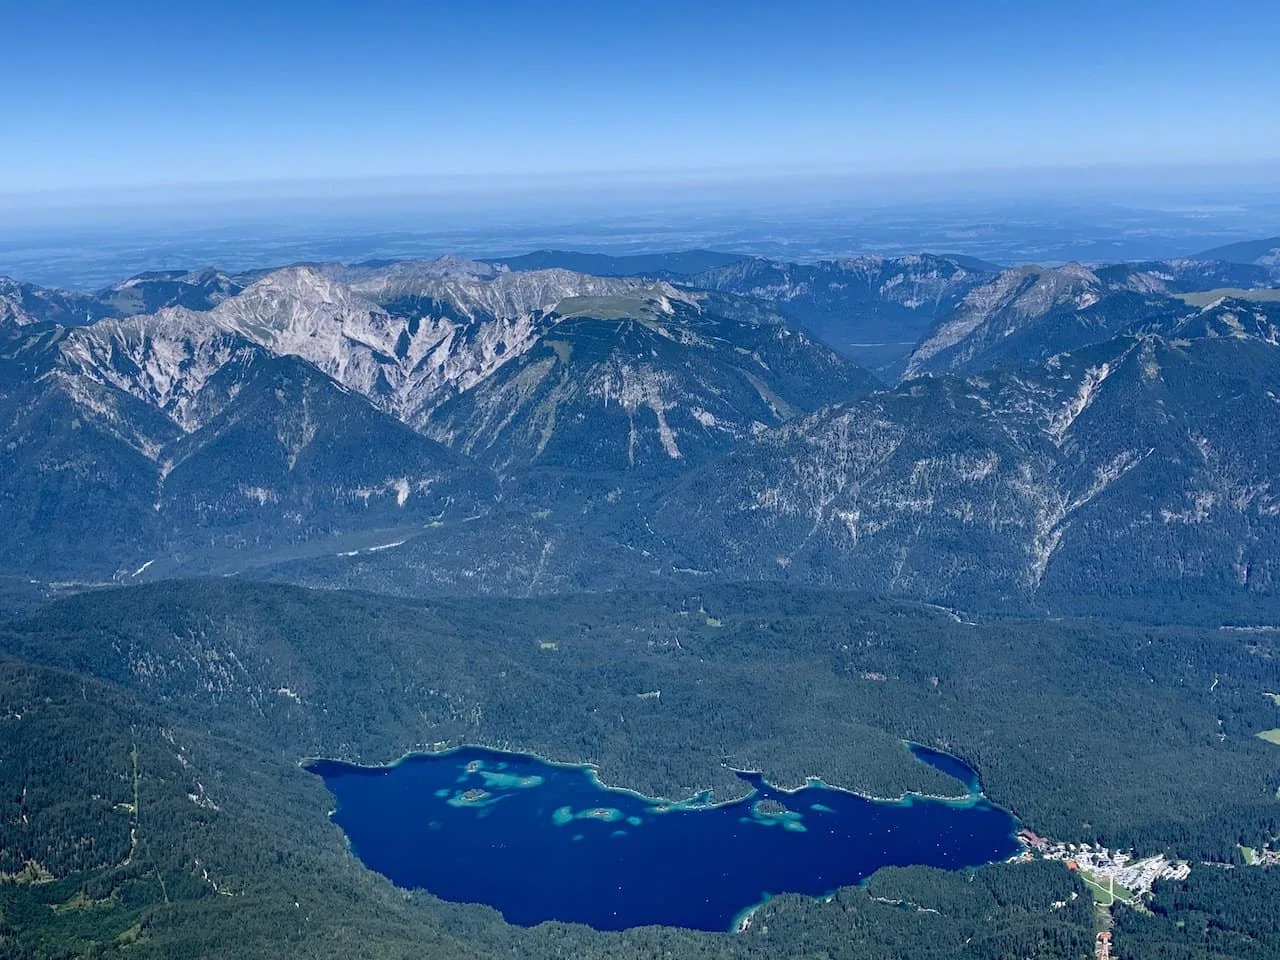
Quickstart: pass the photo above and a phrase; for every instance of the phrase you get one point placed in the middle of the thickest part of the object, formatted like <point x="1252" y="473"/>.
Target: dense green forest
<point x="150" y="741"/>
<point x="1214" y="913"/>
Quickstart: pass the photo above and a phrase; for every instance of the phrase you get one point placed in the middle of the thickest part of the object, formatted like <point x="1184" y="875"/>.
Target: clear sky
<point x="110" y="93"/>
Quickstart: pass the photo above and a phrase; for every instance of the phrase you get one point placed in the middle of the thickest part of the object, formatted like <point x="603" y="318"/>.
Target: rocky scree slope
<point x="258" y="453"/>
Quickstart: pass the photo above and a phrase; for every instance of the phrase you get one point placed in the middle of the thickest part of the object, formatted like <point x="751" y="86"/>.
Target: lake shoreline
<point x="610" y="858"/>
<point x="688" y="803"/>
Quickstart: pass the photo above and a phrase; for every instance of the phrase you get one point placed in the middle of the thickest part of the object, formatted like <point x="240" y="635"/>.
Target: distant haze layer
<point x="88" y="239"/>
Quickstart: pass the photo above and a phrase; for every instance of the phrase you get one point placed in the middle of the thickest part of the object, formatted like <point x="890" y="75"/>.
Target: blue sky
<point x="124" y="93"/>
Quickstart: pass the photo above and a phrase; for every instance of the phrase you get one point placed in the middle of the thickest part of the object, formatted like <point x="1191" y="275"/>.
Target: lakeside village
<point x="1114" y="876"/>
<point x="1125" y="879"/>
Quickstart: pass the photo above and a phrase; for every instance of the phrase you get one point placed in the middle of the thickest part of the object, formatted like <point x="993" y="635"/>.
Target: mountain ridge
<point x="512" y="427"/>
<point x="1029" y="313"/>
<point x="1264" y="252"/>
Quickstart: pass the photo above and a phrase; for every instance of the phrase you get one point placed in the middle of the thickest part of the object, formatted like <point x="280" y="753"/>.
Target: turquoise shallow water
<point x="541" y="841"/>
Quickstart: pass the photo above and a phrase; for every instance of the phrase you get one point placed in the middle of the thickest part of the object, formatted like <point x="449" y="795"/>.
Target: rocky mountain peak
<point x="405" y="335"/>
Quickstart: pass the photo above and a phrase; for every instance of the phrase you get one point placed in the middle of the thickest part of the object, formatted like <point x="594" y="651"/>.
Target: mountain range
<point x="1135" y="466"/>
<point x="1028" y="438"/>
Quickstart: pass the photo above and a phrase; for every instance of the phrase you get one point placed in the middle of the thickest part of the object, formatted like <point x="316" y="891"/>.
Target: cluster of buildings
<point x="1265" y="858"/>
<point x="1118" y="871"/>
<point x="1102" y="864"/>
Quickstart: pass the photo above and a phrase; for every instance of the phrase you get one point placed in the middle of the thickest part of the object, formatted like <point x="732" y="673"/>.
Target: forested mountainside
<point x="1140" y="469"/>
<point x="26" y="303"/>
<point x="639" y="481"/>
<point x="914" y="314"/>
<point x="298" y="412"/>
<point x="1135" y="474"/>
<point x="268" y="452"/>
<point x="1264" y="253"/>
<point x="181" y="824"/>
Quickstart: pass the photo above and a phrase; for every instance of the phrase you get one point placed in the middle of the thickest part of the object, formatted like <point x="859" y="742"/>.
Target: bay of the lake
<point x="542" y="841"/>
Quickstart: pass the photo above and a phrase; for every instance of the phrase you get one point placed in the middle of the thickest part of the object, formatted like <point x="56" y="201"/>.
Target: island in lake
<point x="543" y="841"/>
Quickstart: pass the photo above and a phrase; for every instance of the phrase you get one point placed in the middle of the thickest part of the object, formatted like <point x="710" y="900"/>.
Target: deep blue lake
<point x="542" y="841"/>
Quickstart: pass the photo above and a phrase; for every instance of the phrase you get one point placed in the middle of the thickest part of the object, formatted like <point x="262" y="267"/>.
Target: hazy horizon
<point x="85" y="239"/>
<point x="82" y="249"/>
<point x="158" y="136"/>
<point x="757" y="186"/>
<point x="146" y="93"/>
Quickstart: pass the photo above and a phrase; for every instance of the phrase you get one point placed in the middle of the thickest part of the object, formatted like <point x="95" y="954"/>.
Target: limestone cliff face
<point x="406" y="336"/>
